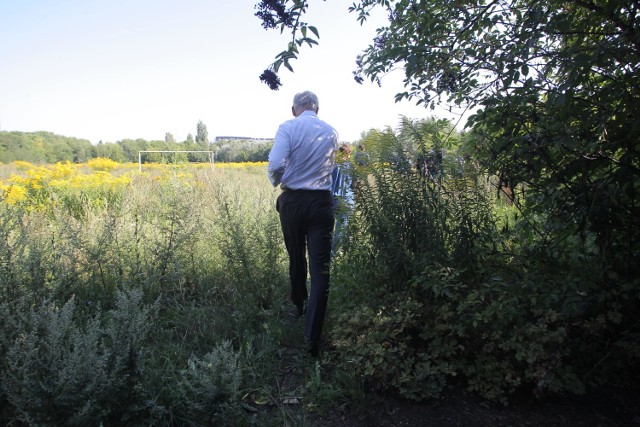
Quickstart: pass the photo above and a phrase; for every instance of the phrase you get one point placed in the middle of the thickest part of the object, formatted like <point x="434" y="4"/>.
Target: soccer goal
<point x="210" y="155"/>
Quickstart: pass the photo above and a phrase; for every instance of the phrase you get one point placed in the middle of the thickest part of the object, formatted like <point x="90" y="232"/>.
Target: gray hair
<point x="305" y="101"/>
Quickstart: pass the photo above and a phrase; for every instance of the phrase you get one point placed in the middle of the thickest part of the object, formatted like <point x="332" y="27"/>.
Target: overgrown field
<point x="160" y="297"/>
<point x="138" y="298"/>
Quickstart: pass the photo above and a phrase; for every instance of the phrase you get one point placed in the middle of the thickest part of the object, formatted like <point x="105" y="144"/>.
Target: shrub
<point x="22" y="165"/>
<point x="102" y="164"/>
<point x="62" y="371"/>
<point x="391" y="348"/>
<point x="433" y="288"/>
<point x="210" y="386"/>
<point x="206" y="243"/>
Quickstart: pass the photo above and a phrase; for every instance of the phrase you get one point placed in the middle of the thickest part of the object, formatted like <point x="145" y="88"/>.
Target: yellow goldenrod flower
<point x="15" y="194"/>
<point x="102" y="164"/>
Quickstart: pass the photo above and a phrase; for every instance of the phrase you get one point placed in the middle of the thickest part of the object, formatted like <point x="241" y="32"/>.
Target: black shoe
<point x="295" y="312"/>
<point x="299" y="310"/>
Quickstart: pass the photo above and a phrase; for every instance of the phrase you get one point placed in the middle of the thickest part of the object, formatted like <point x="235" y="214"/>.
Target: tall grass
<point x="200" y="252"/>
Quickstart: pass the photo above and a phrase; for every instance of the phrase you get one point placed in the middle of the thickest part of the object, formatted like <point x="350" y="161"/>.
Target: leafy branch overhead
<point x="553" y="82"/>
<point x="465" y="52"/>
<point x="285" y="15"/>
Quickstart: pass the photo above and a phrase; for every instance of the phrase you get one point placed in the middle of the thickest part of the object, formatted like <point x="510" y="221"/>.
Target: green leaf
<point x="248" y="407"/>
<point x="314" y="30"/>
<point x="286" y="64"/>
<point x="560" y="99"/>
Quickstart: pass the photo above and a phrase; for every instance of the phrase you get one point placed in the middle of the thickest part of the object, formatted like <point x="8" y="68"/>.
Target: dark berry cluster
<point x="380" y="42"/>
<point x="357" y="76"/>
<point x="357" y="73"/>
<point x="272" y="13"/>
<point x="271" y="79"/>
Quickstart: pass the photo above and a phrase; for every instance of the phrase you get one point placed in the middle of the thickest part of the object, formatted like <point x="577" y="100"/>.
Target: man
<point x="362" y="157"/>
<point x="301" y="161"/>
<point x="342" y="190"/>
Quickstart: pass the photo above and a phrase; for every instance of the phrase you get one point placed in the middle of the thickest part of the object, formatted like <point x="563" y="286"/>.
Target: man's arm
<point x="278" y="157"/>
<point x="275" y="176"/>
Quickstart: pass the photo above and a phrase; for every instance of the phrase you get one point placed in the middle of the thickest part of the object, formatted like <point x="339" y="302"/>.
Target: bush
<point x="210" y="386"/>
<point x="205" y="244"/>
<point x="390" y="348"/>
<point x="433" y="288"/>
<point x="62" y="371"/>
<point x="102" y="164"/>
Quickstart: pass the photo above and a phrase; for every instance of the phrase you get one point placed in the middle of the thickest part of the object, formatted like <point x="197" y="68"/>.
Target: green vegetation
<point x="166" y="301"/>
<point x="545" y="298"/>
<point x="503" y="260"/>
<point x="46" y="147"/>
<point x="242" y="150"/>
<point x="553" y="84"/>
<point x="159" y="304"/>
<point x="443" y="283"/>
<point x="43" y="147"/>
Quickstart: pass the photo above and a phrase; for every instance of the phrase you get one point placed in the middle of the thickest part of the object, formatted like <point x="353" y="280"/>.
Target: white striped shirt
<point x="303" y="153"/>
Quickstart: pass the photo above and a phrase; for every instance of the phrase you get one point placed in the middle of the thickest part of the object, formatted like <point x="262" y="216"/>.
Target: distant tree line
<point x="47" y="147"/>
<point x="242" y="150"/>
<point x="43" y="147"/>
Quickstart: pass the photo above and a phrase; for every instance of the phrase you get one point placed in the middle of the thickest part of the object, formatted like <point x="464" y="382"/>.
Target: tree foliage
<point x="42" y="147"/>
<point x="285" y="14"/>
<point x="554" y="87"/>
<point x="46" y="147"/>
<point x="169" y="138"/>
<point x="202" y="136"/>
<point x="243" y="150"/>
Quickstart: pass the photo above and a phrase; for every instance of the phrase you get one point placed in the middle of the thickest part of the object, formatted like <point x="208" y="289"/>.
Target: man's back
<point x="304" y="152"/>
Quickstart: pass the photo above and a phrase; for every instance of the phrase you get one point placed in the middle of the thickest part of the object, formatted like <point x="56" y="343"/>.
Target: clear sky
<point x="109" y="70"/>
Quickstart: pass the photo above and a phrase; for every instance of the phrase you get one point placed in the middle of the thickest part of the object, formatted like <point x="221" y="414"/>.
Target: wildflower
<point x="22" y="165"/>
<point x="15" y="194"/>
<point x="102" y="164"/>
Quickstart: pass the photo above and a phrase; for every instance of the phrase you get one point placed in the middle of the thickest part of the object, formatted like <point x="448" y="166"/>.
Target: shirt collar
<point x="308" y="113"/>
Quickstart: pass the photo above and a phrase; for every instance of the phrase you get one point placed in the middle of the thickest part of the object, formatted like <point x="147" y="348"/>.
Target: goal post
<point x="209" y="153"/>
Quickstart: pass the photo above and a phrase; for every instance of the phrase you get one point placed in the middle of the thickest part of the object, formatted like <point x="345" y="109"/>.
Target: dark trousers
<point x="307" y="220"/>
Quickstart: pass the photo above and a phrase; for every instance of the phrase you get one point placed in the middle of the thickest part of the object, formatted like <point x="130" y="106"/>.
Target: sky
<point x="107" y="70"/>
